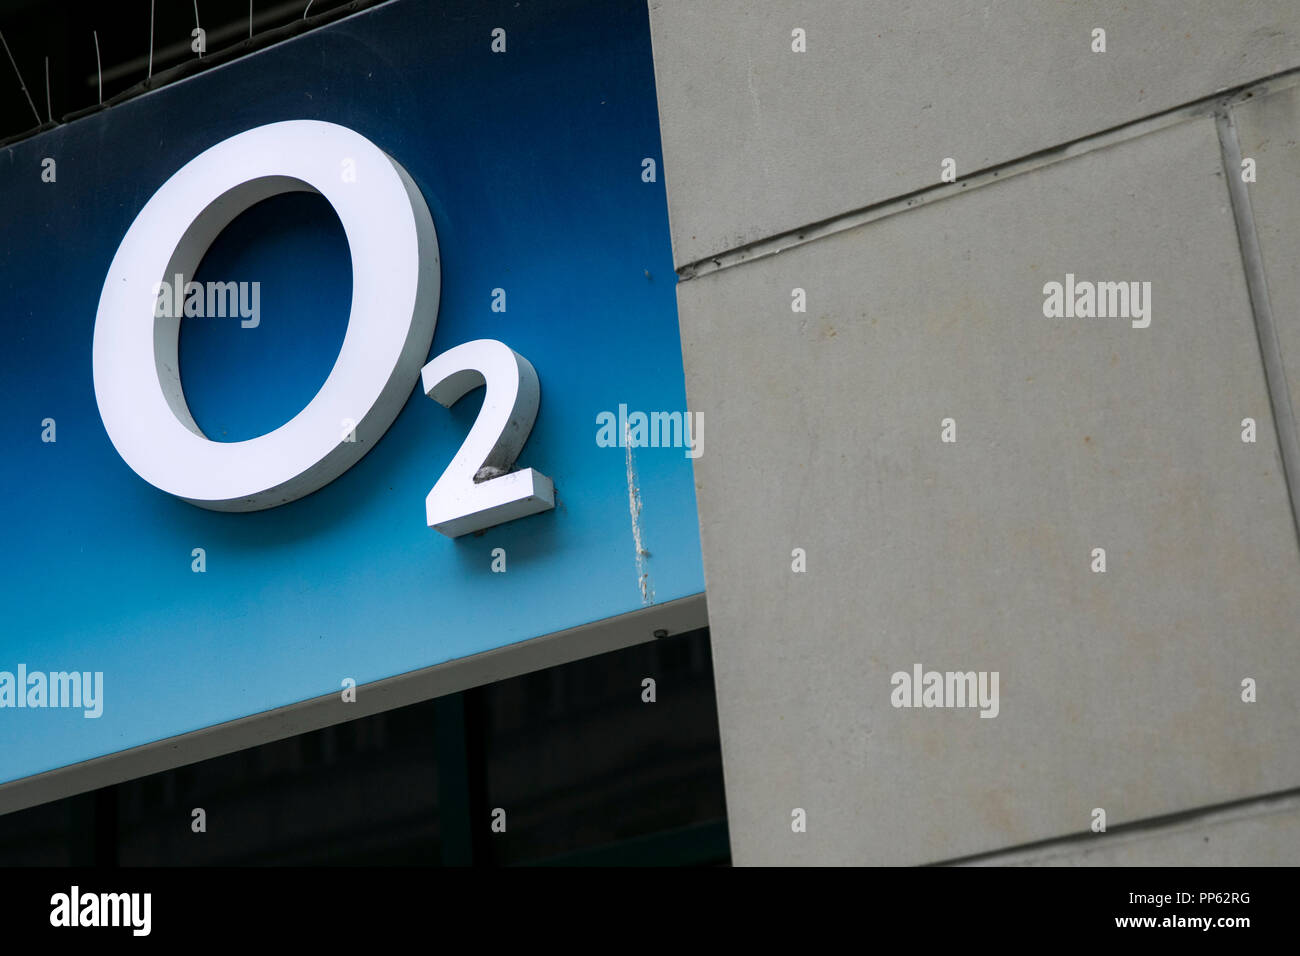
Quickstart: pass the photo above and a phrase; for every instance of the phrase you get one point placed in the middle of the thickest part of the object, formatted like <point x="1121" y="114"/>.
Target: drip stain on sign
<point x="634" y="507"/>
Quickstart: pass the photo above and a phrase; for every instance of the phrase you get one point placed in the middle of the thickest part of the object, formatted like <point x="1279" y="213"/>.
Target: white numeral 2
<point x="478" y="489"/>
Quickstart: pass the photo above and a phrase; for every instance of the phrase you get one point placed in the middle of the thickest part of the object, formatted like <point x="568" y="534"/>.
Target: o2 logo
<point x="395" y="290"/>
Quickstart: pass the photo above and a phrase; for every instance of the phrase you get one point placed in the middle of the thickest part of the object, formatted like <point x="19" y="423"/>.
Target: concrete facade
<point x="812" y="179"/>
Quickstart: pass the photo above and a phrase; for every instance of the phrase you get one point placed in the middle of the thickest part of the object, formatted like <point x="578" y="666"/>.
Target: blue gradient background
<point x="531" y="165"/>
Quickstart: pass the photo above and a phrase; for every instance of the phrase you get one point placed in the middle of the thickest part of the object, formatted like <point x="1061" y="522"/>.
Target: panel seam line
<point x="1246" y="808"/>
<point x="1270" y="348"/>
<point x="841" y="222"/>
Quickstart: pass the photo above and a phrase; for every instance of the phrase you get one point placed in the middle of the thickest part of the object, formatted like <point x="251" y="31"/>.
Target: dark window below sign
<point x="584" y="769"/>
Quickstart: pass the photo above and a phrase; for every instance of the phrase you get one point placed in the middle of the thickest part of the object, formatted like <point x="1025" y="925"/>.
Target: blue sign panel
<point x="539" y="163"/>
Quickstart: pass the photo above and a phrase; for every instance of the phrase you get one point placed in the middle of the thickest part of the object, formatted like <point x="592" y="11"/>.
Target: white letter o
<point x="395" y="289"/>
